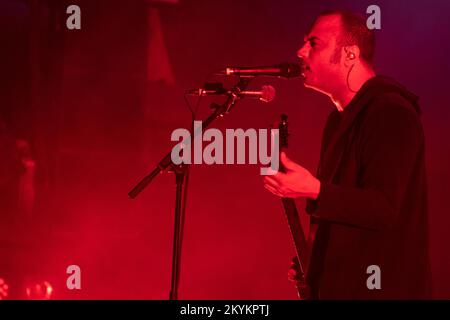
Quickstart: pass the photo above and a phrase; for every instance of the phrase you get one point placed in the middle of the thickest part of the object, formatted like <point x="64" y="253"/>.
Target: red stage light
<point x="39" y="291"/>
<point x="3" y="289"/>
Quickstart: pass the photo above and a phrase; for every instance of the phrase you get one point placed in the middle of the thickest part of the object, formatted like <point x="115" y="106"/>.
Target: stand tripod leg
<point x="180" y="177"/>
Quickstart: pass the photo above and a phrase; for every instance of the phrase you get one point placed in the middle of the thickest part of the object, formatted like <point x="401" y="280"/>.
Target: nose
<point x="302" y="53"/>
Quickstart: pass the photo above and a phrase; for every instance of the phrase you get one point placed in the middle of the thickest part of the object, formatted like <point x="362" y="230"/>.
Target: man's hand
<point x="294" y="271"/>
<point x="296" y="182"/>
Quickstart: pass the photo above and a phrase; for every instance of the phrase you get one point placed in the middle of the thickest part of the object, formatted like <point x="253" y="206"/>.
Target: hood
<point x="383" y="84"/>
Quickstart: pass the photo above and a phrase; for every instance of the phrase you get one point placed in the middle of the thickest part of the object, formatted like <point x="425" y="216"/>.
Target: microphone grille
<point x="290" y="70"/>
<point x="267" y="94"/>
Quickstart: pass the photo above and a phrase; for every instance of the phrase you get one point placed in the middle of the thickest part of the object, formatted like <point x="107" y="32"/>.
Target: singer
<point x="368" y="201"/>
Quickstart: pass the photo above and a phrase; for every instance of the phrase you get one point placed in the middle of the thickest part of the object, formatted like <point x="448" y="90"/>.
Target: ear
<point x="351" y="55"/>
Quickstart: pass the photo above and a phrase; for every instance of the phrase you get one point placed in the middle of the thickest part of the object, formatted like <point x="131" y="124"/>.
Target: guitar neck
<point x="297" y="234"/>
<point x="295" y="227"/>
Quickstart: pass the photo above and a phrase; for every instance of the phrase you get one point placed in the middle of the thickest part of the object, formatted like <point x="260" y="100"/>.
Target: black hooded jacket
<point x="372" y="205"/>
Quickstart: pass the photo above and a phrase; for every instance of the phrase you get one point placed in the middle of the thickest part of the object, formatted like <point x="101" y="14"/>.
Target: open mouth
<point x="304" y="69"/>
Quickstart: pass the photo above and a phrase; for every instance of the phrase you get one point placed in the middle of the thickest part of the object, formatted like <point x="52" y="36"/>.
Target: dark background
<point x="98" y="105"/>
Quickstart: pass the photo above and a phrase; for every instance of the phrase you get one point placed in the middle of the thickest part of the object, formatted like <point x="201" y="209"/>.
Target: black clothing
<point x="372" y="205"/>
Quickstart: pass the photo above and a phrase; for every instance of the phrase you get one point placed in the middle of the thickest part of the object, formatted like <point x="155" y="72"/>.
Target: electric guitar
<point x="296" y="230"/>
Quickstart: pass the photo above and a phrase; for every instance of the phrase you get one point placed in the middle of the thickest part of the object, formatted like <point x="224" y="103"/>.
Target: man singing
<point x="368" y="203"/>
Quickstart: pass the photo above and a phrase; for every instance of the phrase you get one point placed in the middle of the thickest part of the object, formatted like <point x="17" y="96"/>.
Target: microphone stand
<point x="181" y="176"/>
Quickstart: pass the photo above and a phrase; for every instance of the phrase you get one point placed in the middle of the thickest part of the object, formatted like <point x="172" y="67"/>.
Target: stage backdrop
<point x="106" y="98"/>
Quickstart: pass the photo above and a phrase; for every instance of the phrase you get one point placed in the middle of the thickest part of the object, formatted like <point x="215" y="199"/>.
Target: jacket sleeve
<point x="391" y="138"/>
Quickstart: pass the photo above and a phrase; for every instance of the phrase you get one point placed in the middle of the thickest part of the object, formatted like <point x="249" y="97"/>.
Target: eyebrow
<point x="313" y="38"/>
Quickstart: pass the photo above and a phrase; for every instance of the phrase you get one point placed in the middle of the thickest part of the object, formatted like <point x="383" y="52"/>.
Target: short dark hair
<point x="355" y="32"/>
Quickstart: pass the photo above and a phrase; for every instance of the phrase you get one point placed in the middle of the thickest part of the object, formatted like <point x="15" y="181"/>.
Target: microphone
<point x="267" y="93"/>
<point x="283" y="70"/>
